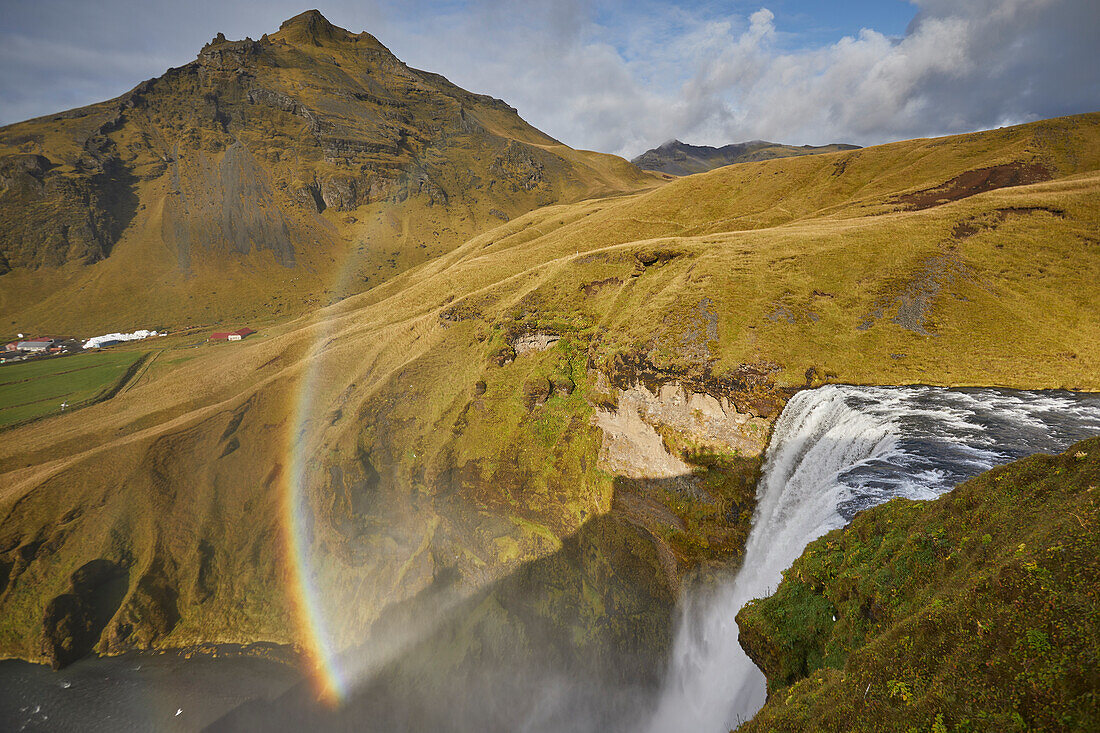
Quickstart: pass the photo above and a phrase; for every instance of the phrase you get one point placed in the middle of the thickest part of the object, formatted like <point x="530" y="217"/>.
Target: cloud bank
<point x="622" y="76"/>
<point x="710" y="79"/>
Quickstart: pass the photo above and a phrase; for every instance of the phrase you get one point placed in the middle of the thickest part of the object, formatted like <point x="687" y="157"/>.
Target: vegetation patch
<point x="38" y="388"/>
<point x="977" y="611"/>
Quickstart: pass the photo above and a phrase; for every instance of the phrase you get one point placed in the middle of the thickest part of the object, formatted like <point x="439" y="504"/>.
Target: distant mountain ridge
<point x="681" y="159"/>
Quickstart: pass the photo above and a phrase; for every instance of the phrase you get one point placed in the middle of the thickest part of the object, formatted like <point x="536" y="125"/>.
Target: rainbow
<point x="328" y="681"/>
<point x="322" y="659"/>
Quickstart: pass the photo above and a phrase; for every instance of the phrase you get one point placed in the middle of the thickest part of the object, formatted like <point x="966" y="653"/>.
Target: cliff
<point x="977" y="611"/>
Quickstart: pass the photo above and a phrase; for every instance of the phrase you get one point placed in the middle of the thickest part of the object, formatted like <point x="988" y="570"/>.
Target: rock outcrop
<point x="686" y="464"/>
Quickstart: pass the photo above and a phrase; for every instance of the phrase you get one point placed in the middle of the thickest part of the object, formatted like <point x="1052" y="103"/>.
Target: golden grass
<point x="792" y="256"/>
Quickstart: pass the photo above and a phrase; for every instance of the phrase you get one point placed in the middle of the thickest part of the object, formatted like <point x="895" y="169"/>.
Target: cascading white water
<point x="816" y="438"/>
<point x="834" y="451"/>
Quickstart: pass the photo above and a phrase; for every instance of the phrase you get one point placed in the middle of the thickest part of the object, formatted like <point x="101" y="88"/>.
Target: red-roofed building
<point x="237" y="335"/>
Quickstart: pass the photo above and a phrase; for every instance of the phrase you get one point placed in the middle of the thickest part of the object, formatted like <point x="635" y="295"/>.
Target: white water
<point x="834" y="451"/>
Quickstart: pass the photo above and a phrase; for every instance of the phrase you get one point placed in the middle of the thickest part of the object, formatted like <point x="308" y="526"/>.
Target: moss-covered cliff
<point x="977" y="611"/>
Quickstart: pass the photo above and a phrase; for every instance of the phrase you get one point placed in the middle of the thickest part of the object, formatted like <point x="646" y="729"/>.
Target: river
<point x="136" y="692"/>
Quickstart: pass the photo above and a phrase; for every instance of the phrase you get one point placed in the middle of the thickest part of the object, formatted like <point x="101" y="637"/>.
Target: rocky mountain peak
<point x="306" y="126"/>
<point x="313" y="28"/>
<point x="310" y="19"/>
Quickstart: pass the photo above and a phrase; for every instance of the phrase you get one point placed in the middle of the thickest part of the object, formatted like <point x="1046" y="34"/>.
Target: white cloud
<point x="623" y="76"/>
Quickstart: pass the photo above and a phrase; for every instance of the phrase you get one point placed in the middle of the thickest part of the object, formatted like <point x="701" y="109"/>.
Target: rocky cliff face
<point x="56" y="218"/>
<point x="686" y="464"/>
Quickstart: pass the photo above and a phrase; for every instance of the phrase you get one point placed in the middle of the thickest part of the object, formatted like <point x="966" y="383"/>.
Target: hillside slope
<point x="680" y="159"/>
<point x="977" y="611"/>
<point x="265" y="177"/>
<point x="613" y="360"/>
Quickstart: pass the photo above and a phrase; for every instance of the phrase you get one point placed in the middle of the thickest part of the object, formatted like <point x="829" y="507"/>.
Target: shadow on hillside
<point x="117" y="197"/>
<point x="73" y="621"/>
<point x="577" y="640"/>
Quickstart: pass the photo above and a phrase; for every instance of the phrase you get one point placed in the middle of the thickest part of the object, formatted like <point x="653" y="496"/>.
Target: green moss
<point x="714" y="515"/>
<point x="977" y="611"/>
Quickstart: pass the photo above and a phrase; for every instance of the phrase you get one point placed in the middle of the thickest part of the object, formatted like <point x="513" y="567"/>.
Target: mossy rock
<point x="977" y="611"/>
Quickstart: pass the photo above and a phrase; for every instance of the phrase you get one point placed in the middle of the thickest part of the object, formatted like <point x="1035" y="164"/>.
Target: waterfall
<point x="834" y="451"/>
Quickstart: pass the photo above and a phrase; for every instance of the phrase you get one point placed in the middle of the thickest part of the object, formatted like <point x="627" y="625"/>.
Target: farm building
<point x="37" y="345"/>
<point x="237" y="335"/>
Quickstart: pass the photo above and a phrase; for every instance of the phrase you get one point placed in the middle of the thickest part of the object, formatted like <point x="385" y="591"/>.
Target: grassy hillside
<point x="425" y="441"/>
<point x="977" y="611"/>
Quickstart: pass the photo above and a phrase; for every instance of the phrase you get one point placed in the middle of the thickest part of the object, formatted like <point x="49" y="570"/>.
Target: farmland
<point x="38" y="388"/>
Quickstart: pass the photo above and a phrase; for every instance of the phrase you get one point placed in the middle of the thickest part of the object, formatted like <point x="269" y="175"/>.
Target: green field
<point x="37" y="388"/>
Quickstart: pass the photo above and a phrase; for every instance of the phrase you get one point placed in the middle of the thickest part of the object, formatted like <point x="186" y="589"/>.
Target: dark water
<point x="135" y="692"/>
<point x="837" y="450"/>
<point x="945" y="436"/>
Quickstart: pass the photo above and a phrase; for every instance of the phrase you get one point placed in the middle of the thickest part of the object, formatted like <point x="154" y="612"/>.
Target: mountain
<point x="547" y="427"/>
<point x="680" y="159"/>
<point x="264" y="177"/>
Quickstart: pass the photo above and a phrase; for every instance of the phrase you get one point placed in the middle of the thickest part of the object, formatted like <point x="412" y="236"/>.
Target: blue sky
<point x="622" y="76"/>
<point x="808" y="23"/>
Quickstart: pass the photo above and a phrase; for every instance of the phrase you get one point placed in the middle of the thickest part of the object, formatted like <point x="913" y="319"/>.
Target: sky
<point x="622" y="76"/>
